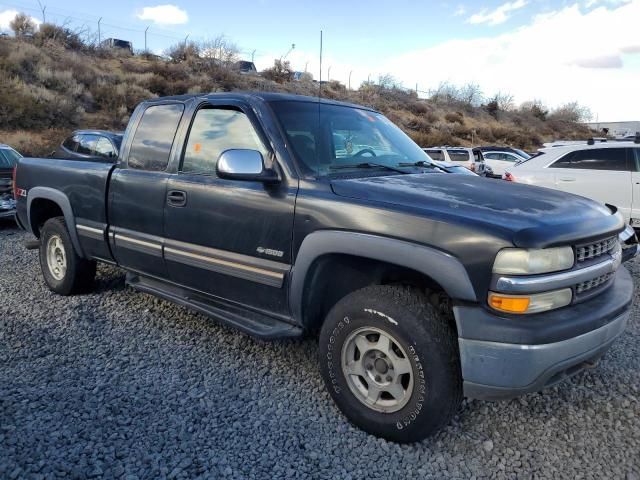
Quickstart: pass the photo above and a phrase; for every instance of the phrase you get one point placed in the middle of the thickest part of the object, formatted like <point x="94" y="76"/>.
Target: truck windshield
<point x="330" y="138"/>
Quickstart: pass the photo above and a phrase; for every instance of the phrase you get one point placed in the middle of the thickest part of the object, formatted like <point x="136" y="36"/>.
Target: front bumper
<point x="505" y="357"/>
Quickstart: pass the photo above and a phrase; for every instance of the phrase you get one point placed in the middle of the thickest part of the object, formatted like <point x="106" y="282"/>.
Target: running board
<point x="253" y="323"/>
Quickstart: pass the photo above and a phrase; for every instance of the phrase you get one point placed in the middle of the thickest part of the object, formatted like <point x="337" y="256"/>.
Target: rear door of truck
<point x="137" y="192"/>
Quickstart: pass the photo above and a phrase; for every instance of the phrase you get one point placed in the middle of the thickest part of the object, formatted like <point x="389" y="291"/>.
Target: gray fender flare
<point x="440" y="266"/>
<point x="62" y="201"/>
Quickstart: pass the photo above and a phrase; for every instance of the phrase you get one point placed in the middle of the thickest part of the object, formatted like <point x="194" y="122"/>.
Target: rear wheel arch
<point x="44" y="203"/>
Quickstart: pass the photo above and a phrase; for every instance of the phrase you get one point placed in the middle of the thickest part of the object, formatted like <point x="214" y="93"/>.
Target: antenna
<point x="320" y="80"/>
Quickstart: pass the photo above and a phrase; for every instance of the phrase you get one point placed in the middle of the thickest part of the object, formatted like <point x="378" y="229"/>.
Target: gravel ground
<point x="121" y="384"/>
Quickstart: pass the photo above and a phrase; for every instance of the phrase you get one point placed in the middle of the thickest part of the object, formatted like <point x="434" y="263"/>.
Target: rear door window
<point x="611" y="159"/>
<point x="152" y="142"/>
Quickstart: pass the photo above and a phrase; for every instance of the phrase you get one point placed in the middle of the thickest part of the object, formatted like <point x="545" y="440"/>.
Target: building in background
<point x="616" y="129"/>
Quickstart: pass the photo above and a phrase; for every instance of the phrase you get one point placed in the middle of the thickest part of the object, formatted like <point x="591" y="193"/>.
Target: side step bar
<point x="252" y="323"/>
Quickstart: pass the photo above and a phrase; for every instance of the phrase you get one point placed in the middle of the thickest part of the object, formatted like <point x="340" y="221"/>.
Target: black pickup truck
<point x="284" y="215"/>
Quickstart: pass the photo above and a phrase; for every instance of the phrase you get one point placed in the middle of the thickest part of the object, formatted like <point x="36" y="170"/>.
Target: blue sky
<point x="555" y="51"/>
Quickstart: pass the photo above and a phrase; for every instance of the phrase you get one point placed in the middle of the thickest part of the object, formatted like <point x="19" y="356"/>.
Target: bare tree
<point x="572" y="112"/>
<point x="220" y="50"/>
<point x="22" y="24"/>
<point x="470" y="95"/>
<point x="388" y="81"/>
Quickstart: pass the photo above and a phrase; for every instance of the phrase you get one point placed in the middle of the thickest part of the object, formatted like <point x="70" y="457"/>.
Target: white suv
<point x="467" y="157"/>
<point x="606" y="172"/>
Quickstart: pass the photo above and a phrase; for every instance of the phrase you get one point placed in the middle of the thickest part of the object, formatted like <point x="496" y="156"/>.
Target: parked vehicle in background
<point x="451" y="167"/>
<point x="497" y="163"/>
<point x="246" y="68"/>
<point x="516" y="151"/>
<point x="606" y="172"/>
<point x="117" y="44"/>
<point x="467" y="157"/>
<point x="8" y="160"/>
<point x="284" y="215"/>
<point x="87" y="144"/>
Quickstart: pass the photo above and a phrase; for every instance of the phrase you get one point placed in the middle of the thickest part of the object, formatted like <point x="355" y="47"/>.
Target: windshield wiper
<point x="368" y="165"/>
<point x="422" y="163"/>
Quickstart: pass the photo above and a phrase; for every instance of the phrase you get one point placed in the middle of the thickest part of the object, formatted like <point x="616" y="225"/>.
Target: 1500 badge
<point x="269" y="251"/>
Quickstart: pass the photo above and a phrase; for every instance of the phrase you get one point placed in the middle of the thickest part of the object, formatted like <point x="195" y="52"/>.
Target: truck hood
<point x="532" y="217"/>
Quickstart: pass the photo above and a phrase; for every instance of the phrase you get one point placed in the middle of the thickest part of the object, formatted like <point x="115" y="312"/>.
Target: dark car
<point x="88" y="144"/>
<point x="284" y="216"/>
<point x="8" y="160"/>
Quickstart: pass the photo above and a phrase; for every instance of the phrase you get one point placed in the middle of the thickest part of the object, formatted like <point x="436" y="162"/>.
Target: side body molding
<point x="62" y="201"/>
<point x="443" y="268"/>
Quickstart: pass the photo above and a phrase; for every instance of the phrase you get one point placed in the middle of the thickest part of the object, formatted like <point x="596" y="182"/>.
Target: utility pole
<point x="329" y="74"/>
<point x="99" y="34"/>
<point x="43" y="9"/>
<point x="350" y="79"/>
<point x="320" y="80"/>
<point x="145" y="38"/>
<point x="305" y="67"/>
<point x="252" y="55"/>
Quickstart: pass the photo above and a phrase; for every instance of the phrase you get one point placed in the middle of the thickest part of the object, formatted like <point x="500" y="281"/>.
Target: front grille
<point x="594" y="250"/>
<point x="584" y="287"/>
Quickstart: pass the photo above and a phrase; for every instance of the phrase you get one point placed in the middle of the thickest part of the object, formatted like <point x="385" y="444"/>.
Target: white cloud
<point x="499" y="15"/>
<point x="561" y="56"/>
<point x="164" y="15"/>
<point x="461" y="10"/>
<point x="8" y="15"/>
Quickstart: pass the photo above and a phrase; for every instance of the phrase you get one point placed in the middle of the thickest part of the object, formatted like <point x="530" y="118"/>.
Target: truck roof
<point x="264" y="96"/>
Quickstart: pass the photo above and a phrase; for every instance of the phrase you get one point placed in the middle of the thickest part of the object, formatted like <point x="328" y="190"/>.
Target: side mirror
<point x="242" y="164"/>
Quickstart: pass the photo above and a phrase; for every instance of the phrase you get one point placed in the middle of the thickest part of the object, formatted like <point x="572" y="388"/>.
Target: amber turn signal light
<point x="509" y="304"/>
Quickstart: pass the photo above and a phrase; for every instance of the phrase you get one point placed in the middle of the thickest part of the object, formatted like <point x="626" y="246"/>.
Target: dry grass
<point x="48" y="89"/>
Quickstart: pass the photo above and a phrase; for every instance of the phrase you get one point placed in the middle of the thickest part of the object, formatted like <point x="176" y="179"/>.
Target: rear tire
<point x="64" y="271"/>
<point x="391" y="363"/>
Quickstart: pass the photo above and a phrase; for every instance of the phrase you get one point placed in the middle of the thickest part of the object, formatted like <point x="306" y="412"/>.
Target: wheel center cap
<point x="381" y="366"/>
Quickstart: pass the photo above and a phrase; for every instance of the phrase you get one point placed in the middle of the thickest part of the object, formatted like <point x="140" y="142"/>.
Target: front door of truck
<point x="228" y="238"/>
<point x="138" y="191"/>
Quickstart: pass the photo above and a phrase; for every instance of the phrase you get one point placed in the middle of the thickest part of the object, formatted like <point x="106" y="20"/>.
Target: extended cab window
<point x="213" y="131"/>
<point x="613" y="159"/>
<point x="154" y="136"/>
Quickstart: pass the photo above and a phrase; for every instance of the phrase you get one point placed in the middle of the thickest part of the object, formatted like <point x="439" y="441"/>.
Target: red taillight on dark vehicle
<point x="13" y="183"/>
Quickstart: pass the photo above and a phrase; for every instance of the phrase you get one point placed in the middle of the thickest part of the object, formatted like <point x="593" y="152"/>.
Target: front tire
<point x="64" y="271"/>
<point x="391" y="363"/>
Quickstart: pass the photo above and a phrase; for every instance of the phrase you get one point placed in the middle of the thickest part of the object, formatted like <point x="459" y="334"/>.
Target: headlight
<point x="518" y="261"/>
<point x="540" y="302"/>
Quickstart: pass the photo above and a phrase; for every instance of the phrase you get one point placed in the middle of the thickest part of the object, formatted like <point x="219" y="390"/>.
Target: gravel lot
<point x="120" y="384"/>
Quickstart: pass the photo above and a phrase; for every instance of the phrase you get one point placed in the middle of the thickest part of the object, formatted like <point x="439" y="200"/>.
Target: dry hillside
<point x="52" y="83"/>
